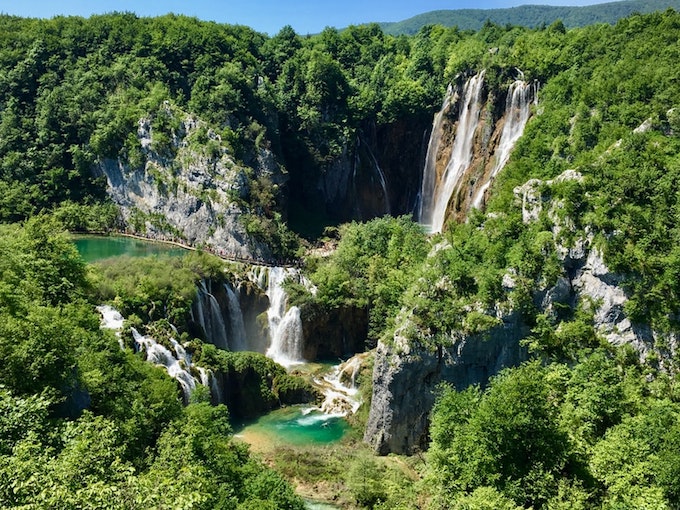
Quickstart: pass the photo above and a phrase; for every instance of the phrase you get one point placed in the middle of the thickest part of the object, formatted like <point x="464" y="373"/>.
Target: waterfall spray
<point x="285" y="327"/>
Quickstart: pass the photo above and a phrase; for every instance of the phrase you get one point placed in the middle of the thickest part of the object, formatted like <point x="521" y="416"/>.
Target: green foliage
<point x="365" y="480"/>
<point x="152" y="288"/>
<point x="87" y="218"/>
<point x="509" y="440"/>
<point x="625" y="459"/>
<point x="21" y="417"/>
<point x="254" y="383"/>
<point x="371" y="267"/>
<point x="590" y="433"/>
<point x="582" y="436"/>
<point x="134" y="446"/>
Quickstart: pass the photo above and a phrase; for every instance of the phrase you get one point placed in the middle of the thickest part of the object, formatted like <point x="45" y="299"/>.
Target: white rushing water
<point x="237" y="327"/>
<point x="461" y="155"/>
<point x="430" y="170"/>
<point x="112" y="319"/>
<point x="285" y="325"/>
<point x="339" y="387"/>
<point x="177" y="362"/>
<point x="517" y="111"/>
<point x="209" y="316"/>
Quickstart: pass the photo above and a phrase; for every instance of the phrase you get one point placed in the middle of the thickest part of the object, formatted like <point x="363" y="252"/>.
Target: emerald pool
<point x="95" y="248"/>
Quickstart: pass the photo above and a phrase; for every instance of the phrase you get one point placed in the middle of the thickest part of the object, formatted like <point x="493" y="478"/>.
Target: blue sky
<point x="305" y="16"/>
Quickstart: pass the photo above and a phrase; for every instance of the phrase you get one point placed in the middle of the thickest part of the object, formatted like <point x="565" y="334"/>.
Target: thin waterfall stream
<point x="520" y="97"/>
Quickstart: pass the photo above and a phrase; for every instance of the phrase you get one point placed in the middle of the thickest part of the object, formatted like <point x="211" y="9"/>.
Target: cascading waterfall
<point x="430" y="171"/>
<point x="112" y="319"/>
<point x="177" y="362"/>
<point x="237" y="326"/>
<point x="285" y="327"/>
<point x="517" y="112"/>
<point x="209" y="317"/>
<point x="340" y="389"/>
<point x="160" y="355"/>
<point x="461" y="155"/>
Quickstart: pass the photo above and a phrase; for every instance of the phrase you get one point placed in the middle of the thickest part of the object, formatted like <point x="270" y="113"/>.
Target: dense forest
<point x="582" y="423"/>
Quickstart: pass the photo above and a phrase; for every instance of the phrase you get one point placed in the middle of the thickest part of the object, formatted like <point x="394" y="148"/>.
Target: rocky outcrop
<point x="406" y="375"/>
<point x="587" y="278"/>
<point x="189" y="187"/>
<point x="376" y="173"/>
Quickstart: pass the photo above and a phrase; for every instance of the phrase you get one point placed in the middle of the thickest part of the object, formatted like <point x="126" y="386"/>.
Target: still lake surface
<point x="95" y="248"/>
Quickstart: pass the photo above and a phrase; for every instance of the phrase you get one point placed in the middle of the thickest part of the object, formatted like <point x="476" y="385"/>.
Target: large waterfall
<point x="434" y="205"/>
<point x="430" y="171"/>
<point x="285" y="326"/>
<point x="217" y="310"/>
<point x="517" y="112"/>
<point x="469" y="172"/>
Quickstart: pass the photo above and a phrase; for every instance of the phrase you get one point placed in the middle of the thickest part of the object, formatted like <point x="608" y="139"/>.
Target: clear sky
<point x="305" y="16"/>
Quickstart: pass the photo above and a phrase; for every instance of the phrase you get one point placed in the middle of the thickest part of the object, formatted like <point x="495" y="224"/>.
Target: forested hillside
<point x="570" y="264"/>
<point x="529" y="16"/>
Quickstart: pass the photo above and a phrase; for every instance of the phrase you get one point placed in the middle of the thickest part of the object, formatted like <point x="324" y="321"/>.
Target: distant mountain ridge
<point x="529" y="15"/>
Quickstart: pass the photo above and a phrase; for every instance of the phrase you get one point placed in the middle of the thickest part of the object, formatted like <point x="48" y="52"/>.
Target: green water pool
<point x="95" y="248"/>
<point x="293" y="426"/>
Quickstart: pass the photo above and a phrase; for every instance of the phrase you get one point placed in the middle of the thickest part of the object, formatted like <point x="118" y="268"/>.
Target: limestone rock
<point x="406" y="374"/>
<point x="189" y="190"/>
<point x="597" y="283"/>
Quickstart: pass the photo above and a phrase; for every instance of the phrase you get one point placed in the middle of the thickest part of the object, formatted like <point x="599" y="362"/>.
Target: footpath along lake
<point x="93" y="248"/>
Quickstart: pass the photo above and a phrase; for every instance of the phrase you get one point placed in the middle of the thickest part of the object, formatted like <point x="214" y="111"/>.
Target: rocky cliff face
<point x="406" y="374"/>
<point x="189" y="188"/>
<point x="377" y="173"/>
<point x="333" y="334"/>
<point x="586" y="276"/>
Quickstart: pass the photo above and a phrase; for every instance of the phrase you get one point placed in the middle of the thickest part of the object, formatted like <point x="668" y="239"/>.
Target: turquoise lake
<point x="94" y="248"/>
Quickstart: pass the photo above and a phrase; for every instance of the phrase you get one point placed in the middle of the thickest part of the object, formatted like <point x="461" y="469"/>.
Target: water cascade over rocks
<point x="207" y="313"/>
<point x="112" y="319"/>
<point x="434" y="205"/>
<point x="341" y="394"/>
<point x="471" y="142"/>
<point x="237" y="328"/>
<point x="177" y="361"/>
<point x="517" y="111"/>
<point x="285" y="326"/>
